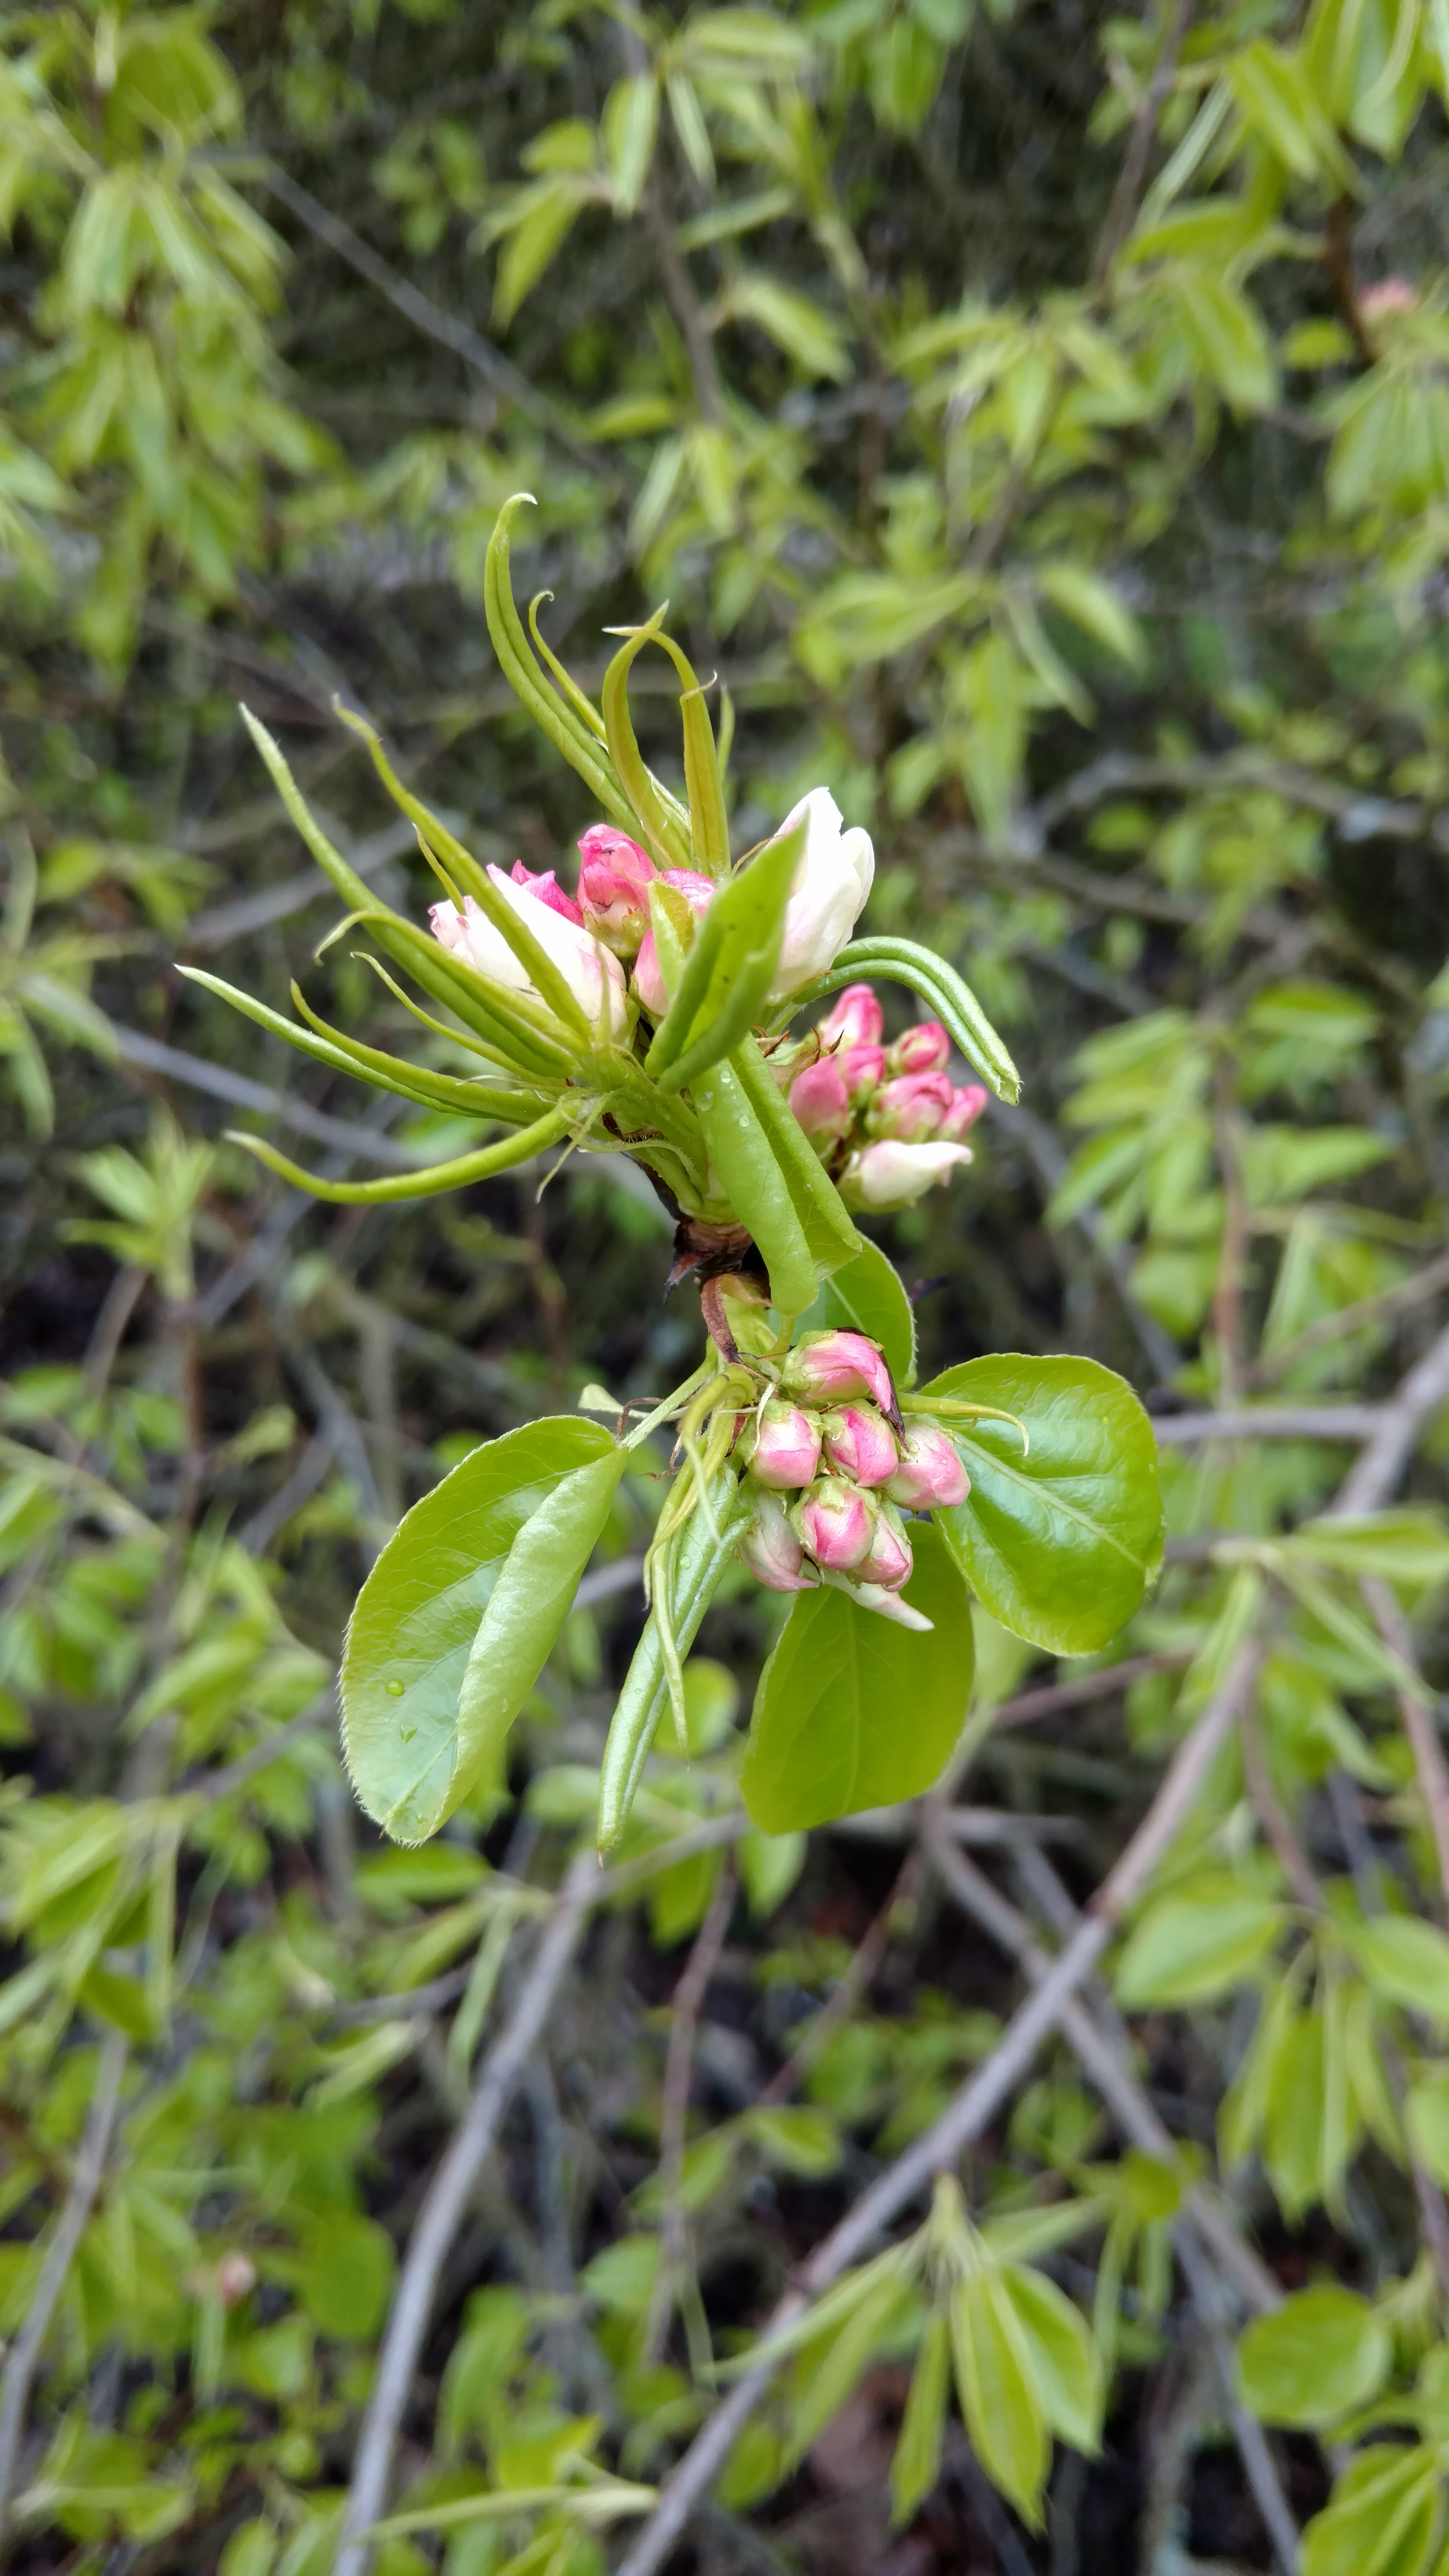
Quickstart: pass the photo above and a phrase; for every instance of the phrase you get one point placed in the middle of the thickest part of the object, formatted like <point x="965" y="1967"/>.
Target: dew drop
<point x="394" y="1690"/>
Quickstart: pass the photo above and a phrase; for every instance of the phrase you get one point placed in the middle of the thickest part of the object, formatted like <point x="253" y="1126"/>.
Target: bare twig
<point x="965" y="2117"/>
<point x="1270" y="1422"/>
<point x="1389" y="1302"/>
<point x="1388" y="1452"/>
<point x="685" y="2010"/>
<point x="443" y="2208"/>
<point x="1417" y="1711"/>
<point x="90" y="2165"/>
<point x="240" y="1092"/>
<point x="1123" y="207"/>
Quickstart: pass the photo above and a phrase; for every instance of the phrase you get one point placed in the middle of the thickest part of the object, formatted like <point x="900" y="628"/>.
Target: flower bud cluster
<point x="888" y="1120"/>
<point x="832" y="1468"/>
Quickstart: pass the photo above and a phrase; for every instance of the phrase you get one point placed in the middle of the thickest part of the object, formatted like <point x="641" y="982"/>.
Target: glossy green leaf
<point x="854" y="1711"/>
<point x="866" y="1296"/>
<point x="1062" y="1543"/>
<point x="413" y="1749"/>
<point x="1323" y="2352"/>
<point x="1380" y="2518"/>
<point x="1004" y="2415"/>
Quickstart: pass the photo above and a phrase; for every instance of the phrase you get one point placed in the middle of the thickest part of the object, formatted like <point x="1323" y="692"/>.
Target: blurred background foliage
<point x="1039" y="418"/>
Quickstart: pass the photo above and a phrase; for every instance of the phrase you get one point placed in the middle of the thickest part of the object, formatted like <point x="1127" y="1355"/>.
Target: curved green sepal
<point x="729" y="968"/>
<point x="515" y="1022"/>
<point x="936" y="984"/>
<point x="426" y="1184"/>
<point x="661" y="821"/>
<point x="709" y="822"/>
<point x="342" y="1054"/>
<point x="459" y="1613"/>
<point x="584" y="708"/>
<point x="354" y="890"/>
<point x="696" y="1572"/>
<point x="552" y="715"/>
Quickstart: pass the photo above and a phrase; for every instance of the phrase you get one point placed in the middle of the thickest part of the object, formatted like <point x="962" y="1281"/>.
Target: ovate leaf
<point x="1405" y="1961"/>
<point x="1065" y="2365"/>
<point x="1319" y="2354"/>
<point x="854" y="1711"/>
<point x="1003" y="2412"/>
<point x="867" y="1297"/>
<point x="1196" y="1944"/>
<point x="412" y="1752"/>
<point x="1060" y="1543"/>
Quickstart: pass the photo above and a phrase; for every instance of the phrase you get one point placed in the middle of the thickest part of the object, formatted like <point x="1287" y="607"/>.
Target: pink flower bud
<point x="821" y="1101"/>
<point x="860" y="1443"/>
<point x="836" y="1523"/>
<point x="771" y="1549"/>
<point x="925" y="1048"/>
<point x="547" y="890"/>
<point x="967" y="1103"/>
<point x="1390" y="295"/>
<point x="614" y="886"/>
<point x="930" y="1469"/>
<point x="892" y="1175"/>
<point x="912" y="1107"/>
<point x="593" y="977"/>
<point x="831" y="1367"/>
<point x="699" y="893"/>
<point x="863" y="1068"/>
<point x="889" y="1561"/>
<point x="236" y="2277"/>
<point x="855" y="1019"/>
<point x="782" y="1445"/>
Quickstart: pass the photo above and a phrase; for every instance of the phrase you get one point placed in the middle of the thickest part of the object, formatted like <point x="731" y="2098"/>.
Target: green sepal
<point x="368" y="1064"/>
<point x="729" y="969"/>
<point x="424" y="1184"/>
<point x="699" y="1559"/>
<point x="756" y="1185"/>
<point x="661" y="821"/>
<point x="514" y="1022"/>
<point x="940" y="987"/>
<point x="354" y="890"/>
<point x="709" y="823"/>
<point x="584" y="708"/>
<point x="553" y="716"/>
<point x="830" y="1229"/>
<point x="546" y="978"/>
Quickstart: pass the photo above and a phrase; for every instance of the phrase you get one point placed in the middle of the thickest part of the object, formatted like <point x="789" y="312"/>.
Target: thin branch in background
<point x="1416" y="1708"/>
<point x="117" y="1307"/>
<point x="1356" y="1422"/>
<point x="148" y="1055"/>
<point x="965" y="2117"/>
<point x="1362" y="1313"/>
<point x="685" y="2010"/>
<point x="1291" y="1857"/>
<point x="1387" y="1454"/>
<point x="85" y="2183"/>
<point x="1122" y="211"/>
<point x="442" y="2211"/>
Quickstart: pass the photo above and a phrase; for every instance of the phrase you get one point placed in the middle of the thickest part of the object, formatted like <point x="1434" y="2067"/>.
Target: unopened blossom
<point x="888" y="1560"/>
<point x="924" y="1048"/>
<point x="820" y="1099"/>
<point x="614" y="884"/>
<point x="864" y="1070"/>
<point x="831" y="1367"/>
<point x="236" y="2277"/>
<point x="967" y="1102"/>
<point x="912" y="1107"/>
<point x="699" y="893"/>
<point x="592" y="975"/>
<point x="929" y="1470"/>
<point x="771" y="1549"/>
<point x="835" y="1523"/>
<point x="546" y="889"/>
<point x="831" y="882"/>
<point x="1390" y="295"/>
<point x="854" y="1019"/>
<point x="860" y="1444"/>
<point x="782" y="1446"/>
<point x="892" y="1175"/>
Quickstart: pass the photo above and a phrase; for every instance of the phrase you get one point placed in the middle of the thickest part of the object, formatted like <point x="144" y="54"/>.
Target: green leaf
<point x="917" y="2463"/>
<point x="829" y="1229"/>
<point x="867" y="1297"/>
<point x="803" y="2140"/>
<point x="854" y="1711"/>
<point x="1061" y="1544"/>
<point x="1404" y="1960"/>
<point x="1380" y="2517"/>
<point x="1190" y="1946"/>
<point x="1426" y="2117"/>
<point x="412" y="1751"/>
<point x="1004" y="2416"/>
<point x="729" y="968"/>
<point x="1064" y="2362"/>
<point x="346" y="2275"/>
<point x="1321" y="2353"/>
<point x="755" y="1185"/>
